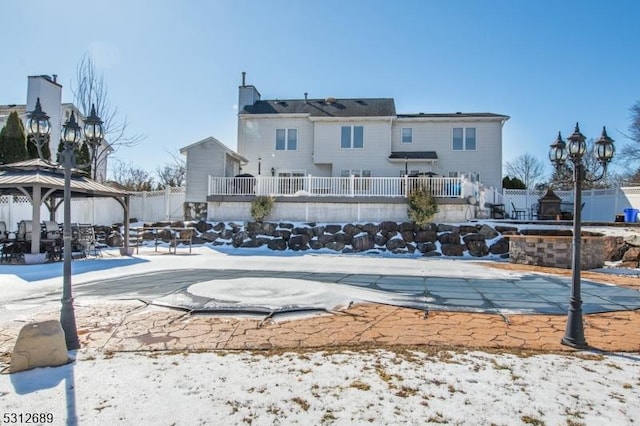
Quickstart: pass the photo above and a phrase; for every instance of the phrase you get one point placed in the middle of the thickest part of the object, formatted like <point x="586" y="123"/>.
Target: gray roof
<point x="455" y="115"/>
<point x="330" y="107"/>
<point x="414" y="155"/>
<point x="37" y="172"/>
<point x="214" y="141"/>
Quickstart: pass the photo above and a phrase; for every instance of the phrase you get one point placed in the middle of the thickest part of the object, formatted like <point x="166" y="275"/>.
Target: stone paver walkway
<point x="135" y="326"/>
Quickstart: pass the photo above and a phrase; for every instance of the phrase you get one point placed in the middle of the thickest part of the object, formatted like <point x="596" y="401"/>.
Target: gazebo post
<point x="126" y="224"/>
<point x="36" y="202"/>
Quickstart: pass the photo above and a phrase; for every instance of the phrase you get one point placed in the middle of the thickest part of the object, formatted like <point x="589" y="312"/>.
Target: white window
<point x="472" y="176"/>
<point x="361" y="179"/>
<point x="409" y="172"/>
<point x="407" y="135"/>
<point x="356" y="173"/>
<point x="291" y="181"/>
<point x="464" y="139"/>
<point x="352" y="137"/>
<point x="286" y="139"/>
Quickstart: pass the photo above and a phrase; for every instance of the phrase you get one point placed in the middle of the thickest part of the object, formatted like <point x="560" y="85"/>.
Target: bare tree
<point x="172" y="174"/>
<point x="130" y="177"/>
<point x="527" y="168"/>
<point x="90" y="89"/>
<point x="631" y="152"/>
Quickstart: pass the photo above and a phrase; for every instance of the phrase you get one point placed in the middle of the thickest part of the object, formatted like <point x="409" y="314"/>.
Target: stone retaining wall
<point x="556" y="251"/>
<point x="471" y="239"/>
<point x="476" y="240"/>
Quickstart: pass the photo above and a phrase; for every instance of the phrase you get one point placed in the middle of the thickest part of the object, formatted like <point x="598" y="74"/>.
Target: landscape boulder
<point x="371" y="228"/>
<point x="388" y="227"/>
<point x="238" y="238"/>
<point x="425" y="247"/>
<point x="467" y="229"/>
<point x="499" y="247"/>
<point x="351" y="229"/>
<point x="425" y="236"/>
<point x="477" y="246"/>
<point x="449" y="238"/>
<point x="115" y="239"/>
<point x="282" y="233"/>
<point x="39" y="344"/>
<point x="380" y="240"/>
<point x="488" y="232"/>
<point x="315" y="244"/>
<point x="332" y="229"/>
<point x="278" y="244"/>
<point x="395" y="244"/>
<point x="335" y="245"/>
<point x="449" y="249"/>
<point x="299" y="242"/>
<point x="363" y="242"/>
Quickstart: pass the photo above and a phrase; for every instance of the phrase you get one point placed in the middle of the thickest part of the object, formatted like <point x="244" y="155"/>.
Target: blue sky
<point x="173" y="68"/>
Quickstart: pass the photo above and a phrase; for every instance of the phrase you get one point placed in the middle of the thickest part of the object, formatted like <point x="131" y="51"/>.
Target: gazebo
<point x="44" y="183"/>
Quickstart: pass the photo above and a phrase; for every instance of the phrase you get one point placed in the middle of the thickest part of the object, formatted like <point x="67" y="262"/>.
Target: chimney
<point x="248" y="95"/>
<point x="55" y="77"/>
<point x="305" y="97"/>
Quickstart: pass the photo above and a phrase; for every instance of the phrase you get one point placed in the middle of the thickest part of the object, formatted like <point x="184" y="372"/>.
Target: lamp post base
<point x="68" y="322"/>
<point x="574" y="334"/>
<point x="577" y="344"/>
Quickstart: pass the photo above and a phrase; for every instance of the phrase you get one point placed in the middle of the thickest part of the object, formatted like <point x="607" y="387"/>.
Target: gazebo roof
<point x="37" y="172"/>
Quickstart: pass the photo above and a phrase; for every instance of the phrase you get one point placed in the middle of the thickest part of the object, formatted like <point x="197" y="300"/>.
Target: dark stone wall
<point x="475" y="240"/>
<point x="399" y="238"/>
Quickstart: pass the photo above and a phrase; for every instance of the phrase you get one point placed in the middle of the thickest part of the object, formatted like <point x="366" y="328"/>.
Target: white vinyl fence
<point x="144" y="206"/>
<point x="600" y="205"/>
<point x="351" y="186"/>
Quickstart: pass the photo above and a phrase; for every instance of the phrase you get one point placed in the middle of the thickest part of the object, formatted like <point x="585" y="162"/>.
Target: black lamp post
<point x="575" y="151"/>
<point x="38" y="128"/>
<point x="259" y="165"/>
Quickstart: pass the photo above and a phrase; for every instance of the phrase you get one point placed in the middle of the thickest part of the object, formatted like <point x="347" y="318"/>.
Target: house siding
<point x="258" y="138"/>
<point x="437" y="136"/>
<point x="203" y="160"/>
<point x="373" y="156"/>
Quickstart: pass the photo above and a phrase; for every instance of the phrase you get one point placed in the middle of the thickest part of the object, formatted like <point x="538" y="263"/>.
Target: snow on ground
<point x="341" y="387"/>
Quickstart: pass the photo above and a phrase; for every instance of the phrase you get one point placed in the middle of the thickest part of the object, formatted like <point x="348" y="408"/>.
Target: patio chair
<point x="518" y="214"/>
<point x="4" y="235"/>
<point x="84" y="241"/>
<point x="534" y="212"/>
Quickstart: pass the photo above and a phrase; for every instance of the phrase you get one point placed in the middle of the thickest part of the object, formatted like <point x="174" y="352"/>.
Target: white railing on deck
<point x="339" y="186"/>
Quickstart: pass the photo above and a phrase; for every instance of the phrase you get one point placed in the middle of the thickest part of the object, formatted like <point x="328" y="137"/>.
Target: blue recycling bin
<point x="630" y="215"/>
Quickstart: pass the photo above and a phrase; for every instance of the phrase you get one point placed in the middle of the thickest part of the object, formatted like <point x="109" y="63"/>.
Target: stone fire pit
<point x="554" y="248"/>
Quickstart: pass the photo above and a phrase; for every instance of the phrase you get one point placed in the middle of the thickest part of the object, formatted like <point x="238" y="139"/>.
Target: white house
<point x="365" y="137"/>
<point x="49" y="91"/>
<point x="208" y="157"/>
<point x="336" y="159"/>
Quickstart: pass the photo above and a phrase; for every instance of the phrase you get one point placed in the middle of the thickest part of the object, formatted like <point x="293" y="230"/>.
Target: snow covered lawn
<point x="408" y="386"/>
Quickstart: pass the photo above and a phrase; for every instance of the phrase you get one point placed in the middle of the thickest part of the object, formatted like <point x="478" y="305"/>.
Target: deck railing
<point x="443" y="187"/>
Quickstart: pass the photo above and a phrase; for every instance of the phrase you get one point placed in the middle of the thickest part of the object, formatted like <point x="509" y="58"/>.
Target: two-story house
<point x="365" y="137"/>
<point x="336" y="159"/>
<point x="49" y="91"/>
